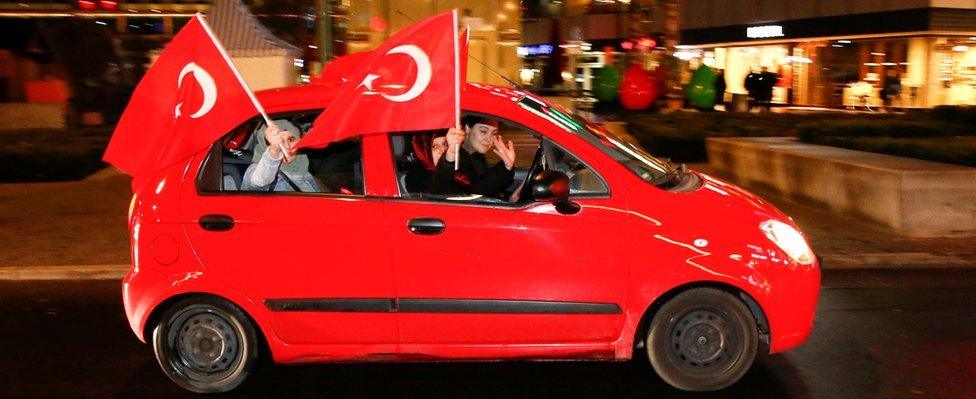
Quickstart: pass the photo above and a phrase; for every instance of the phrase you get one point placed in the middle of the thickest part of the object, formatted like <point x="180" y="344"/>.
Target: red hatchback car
<point x="596" y="250"/>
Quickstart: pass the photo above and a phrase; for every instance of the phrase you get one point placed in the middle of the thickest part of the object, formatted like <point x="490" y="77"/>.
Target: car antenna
<point x="515" y="85"/>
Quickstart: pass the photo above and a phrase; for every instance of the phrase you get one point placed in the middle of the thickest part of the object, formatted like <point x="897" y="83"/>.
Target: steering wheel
<point x="525" y="186"/>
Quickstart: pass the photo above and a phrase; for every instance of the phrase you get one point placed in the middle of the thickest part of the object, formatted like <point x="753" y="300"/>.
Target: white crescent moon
<point x="206" y="83"/>
<point x="423" y="72"/>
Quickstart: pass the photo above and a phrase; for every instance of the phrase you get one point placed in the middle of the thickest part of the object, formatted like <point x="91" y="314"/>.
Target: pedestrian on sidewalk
<point x="766" y="82"/>
<point x="891" y="87"/>
<point x="752" y="85"/>
<point x="720" y="88"/>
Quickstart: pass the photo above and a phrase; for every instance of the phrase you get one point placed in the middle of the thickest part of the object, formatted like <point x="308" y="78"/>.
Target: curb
<point x="64" y="272"/>
<point x="898" y="260"/>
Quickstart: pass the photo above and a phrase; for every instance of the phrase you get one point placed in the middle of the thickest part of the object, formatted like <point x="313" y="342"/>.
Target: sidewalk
<point x="79" y="224"/>
<point x="846" y="242"/>
<point x="77" y="230"/>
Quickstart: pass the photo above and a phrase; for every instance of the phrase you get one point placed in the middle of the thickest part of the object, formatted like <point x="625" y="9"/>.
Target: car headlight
<point x="789" y="240"/>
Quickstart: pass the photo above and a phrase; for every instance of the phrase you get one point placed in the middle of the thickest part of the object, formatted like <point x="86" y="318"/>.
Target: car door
<point x="489" y="273"/>
<point x="318" y="263"/>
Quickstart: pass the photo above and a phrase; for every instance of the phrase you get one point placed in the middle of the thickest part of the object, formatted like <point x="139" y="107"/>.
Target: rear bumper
<point x="138" y="295"/>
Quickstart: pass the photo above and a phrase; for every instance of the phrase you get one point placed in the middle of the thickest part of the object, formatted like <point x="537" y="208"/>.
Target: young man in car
<point x="473" y="175"/>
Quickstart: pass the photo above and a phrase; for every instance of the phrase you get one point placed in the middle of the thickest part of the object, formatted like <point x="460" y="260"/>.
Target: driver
<point x="287" y="171"/>
<point x="474" y="175"/>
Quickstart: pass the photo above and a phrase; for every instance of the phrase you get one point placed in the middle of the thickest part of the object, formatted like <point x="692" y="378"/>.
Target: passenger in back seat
<point x="428" y="149"/>
<point x="286" y="171"/>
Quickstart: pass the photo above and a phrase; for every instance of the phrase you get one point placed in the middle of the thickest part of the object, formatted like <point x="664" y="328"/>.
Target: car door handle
<point x="216" y="222"/>
<point x="425" y="226"/>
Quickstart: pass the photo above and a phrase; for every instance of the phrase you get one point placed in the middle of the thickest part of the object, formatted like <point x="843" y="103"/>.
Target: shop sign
<point x="534" y="50"/>
<point x="764" y="31"/>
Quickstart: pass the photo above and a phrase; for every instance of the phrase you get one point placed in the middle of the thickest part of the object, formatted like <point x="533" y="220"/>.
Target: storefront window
<point x="739" y="62"/>
<point x="956" y="80"/>
<point x="918" y="71"/>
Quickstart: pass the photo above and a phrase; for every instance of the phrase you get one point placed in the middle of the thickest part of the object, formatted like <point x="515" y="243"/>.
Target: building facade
<point x="83" y="57"/>
<point x="495" y="30"/>
<point x="128" y="31"/>
<point x="906" y="53"/>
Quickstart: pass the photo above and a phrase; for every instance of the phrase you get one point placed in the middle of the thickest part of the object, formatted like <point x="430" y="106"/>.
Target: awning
<point x="242" y="34"/>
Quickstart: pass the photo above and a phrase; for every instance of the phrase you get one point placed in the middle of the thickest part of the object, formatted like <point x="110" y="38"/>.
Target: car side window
<point x="583" y="180"/>
<point x="235" y="165"/>
<point x="413" y="154"/>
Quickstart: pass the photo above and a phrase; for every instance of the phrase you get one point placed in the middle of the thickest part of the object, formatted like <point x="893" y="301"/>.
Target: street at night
<point x="878" y="334"/>
<point x="488" y="199"/>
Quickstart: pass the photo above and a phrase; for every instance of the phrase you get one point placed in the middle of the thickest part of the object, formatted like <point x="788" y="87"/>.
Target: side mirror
<point x="553" y="186"/>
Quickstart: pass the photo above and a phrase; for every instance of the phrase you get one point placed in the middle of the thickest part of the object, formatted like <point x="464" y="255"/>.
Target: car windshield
<point x="653" y="170"/>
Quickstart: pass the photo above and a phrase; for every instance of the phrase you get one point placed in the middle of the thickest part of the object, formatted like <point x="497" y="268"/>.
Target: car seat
<point x="235" y="163"/>
<point x="398" y="144"/>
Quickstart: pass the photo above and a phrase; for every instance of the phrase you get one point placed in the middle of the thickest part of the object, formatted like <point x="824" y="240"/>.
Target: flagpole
<point x="233" y="68"/>
<point x="240" y="79"/>
<point x="457" y="86"/>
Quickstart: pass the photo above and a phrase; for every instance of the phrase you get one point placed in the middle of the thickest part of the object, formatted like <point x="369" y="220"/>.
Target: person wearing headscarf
<point x="477" y="136"/>
<point x="428" y="149"/>
<point x="272" y="167"/>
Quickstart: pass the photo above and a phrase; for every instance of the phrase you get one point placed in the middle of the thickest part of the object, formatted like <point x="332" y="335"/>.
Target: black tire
<point x="205" y="345"/>
<point x="703" y="339"/>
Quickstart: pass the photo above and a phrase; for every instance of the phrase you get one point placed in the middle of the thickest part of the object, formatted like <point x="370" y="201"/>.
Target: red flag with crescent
<point x="191" y="96"/>
<point x="464" y="38"/>
<point x="338" y="70"/>
<point x="412" y="81"/>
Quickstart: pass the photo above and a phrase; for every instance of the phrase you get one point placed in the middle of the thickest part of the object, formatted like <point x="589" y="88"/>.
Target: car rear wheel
<point x="205" y="345"/>
<point x="703" y="339"/>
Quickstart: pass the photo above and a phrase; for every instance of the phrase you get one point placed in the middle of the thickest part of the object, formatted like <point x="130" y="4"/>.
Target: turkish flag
<point x="464" y="38"/>
<point x="339" y="69"/>
<point x="190" y="97"/>
<point x="412" y="81"/>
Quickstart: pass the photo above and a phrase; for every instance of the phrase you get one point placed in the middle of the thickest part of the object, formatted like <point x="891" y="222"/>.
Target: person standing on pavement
<point x="720" y="87"/>
<point x="891" y="87"/>
<point x="752" y="85"/>
<point x="767" y="81"/>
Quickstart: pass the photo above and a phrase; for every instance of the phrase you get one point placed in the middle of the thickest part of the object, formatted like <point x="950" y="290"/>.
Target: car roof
<point x="315" y="96"/>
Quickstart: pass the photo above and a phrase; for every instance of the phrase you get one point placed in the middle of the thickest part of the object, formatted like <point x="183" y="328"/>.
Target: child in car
<point x="275" y="164"/>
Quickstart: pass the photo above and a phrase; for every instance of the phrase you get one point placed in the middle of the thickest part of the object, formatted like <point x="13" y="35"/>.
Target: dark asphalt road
<point x="908" y="334"/>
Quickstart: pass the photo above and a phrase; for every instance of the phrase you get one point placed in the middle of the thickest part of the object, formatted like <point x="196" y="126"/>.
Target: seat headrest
<point x="399" y="146"/>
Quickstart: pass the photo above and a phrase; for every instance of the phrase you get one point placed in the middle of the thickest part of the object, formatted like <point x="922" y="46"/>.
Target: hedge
<point x="960" y="114"/>
<point x="880" y="128"/>
<point x="51" y="155"/>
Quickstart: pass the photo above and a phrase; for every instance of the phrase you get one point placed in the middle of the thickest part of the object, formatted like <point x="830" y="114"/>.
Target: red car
<point x="596" y="250"/>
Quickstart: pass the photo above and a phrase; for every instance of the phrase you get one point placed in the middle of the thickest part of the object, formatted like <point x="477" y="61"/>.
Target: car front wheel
<point x="205" y="345"/>
<point x="703" y="339"/>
